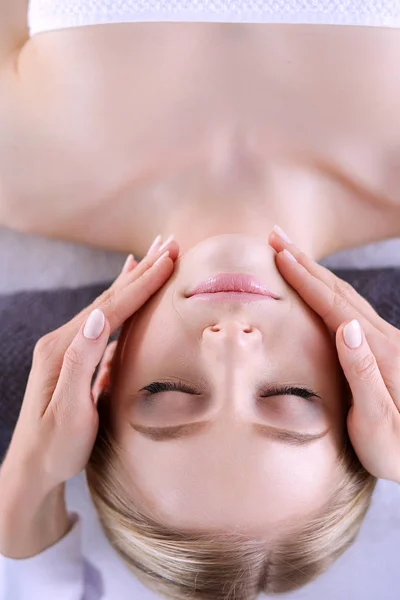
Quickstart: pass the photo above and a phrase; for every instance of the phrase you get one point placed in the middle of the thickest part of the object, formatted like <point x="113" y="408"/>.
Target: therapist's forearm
<point x="30" y="522"/>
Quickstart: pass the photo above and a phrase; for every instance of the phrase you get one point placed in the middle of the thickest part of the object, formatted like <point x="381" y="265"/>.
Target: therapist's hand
<point x="58" y="422"/>
<point x="372" y="367"/>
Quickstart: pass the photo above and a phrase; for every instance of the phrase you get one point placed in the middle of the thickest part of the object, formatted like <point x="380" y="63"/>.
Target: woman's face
<point x="211" y="456"/>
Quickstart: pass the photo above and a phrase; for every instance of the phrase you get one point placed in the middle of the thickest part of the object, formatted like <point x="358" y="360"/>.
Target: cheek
<point x="315" y="338"/>
<point x="148" y="341"/>
<point x="153" y="328"/>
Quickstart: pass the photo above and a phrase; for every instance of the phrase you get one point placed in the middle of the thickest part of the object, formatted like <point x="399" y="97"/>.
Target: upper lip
<point x="233" y="282"/>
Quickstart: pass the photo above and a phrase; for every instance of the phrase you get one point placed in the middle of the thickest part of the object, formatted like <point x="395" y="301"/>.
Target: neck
<point x="244" y="200"/>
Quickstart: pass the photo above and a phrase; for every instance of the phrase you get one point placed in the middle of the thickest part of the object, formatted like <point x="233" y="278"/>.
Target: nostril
<point x="245" y="329"/>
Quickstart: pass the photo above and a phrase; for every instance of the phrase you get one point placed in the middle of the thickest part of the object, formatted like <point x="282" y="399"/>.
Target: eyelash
<point x="165" y="386"/>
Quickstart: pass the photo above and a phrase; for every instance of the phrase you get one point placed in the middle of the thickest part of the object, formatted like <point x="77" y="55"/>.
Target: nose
<point x="231" y="349"/>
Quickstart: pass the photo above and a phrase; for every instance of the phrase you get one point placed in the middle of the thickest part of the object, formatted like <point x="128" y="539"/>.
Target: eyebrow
<point x="285" y="436"/>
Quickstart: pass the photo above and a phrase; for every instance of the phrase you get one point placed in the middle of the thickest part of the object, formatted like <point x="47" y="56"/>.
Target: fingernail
<point x="154" y="244"/>
<point x="127" y="264"/>
<point x="165" y="244"/>
<point x="352" y="334"/>
<point x="289" y="255"/>
<point x="160" y="258"/>
<point x="94" y="325"/>
<point x="282" y="234"/>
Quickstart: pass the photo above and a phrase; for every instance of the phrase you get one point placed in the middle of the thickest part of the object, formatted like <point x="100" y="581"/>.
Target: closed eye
<point x="288" y="390"/>
<point x="169" y="386"/>
<point x="274" y="390"/>
<point x="166" y="432"/>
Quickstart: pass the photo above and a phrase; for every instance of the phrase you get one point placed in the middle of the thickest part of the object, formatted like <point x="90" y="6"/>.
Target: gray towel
<point x="27" y="316"/>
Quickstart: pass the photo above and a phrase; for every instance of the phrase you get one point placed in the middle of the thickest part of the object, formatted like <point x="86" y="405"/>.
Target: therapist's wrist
<point x="31" y="520"/>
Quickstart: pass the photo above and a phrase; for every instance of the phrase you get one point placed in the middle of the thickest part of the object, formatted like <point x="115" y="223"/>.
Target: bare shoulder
<point x="383" y="200"/>
<point x="42" y="136"/>
<point x="391" y="173"/>
<point x="9" y="117"/>
<point x="13" y="27"/>
<point x="14" y="34"/>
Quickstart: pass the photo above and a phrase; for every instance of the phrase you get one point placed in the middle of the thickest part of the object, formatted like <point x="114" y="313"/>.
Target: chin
<point x="234" y="247"/>
<point x="230" y="253"/>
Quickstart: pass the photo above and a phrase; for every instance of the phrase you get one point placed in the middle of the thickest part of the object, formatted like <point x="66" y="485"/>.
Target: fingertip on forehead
<point x="126" y="328"/>
<point x="110" y="351"/>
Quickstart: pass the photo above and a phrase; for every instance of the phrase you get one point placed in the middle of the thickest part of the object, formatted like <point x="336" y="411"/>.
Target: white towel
<point x="45" y="15"/>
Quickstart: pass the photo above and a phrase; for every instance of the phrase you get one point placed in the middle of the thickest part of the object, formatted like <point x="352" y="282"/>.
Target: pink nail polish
<point x="165" y="244"/>
<point x="352" y="334"/>
<point x="94" y="325"/>
<point x="289" y="255"/>
<point x="154" y="244"/>
<point x="160" y="258"/>
<point x="282" y="234"/>
<point x="127" y="264"/>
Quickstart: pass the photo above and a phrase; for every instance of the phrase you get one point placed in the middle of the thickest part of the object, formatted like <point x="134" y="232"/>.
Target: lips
<point x="234" y="283"/>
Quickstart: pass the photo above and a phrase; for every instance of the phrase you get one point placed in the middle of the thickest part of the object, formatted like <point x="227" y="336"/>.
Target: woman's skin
<point x="213" y="133"/>
<point x="126" y="131"/>
<point x="228" y="474"/>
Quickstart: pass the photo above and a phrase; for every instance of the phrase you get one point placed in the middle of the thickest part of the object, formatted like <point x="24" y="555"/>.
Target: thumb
<point x="80" y="361"/>
<point x="370" y="395"/>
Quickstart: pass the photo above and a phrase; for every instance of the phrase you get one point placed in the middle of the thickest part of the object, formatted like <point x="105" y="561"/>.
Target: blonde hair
<point x="210" y="566"/>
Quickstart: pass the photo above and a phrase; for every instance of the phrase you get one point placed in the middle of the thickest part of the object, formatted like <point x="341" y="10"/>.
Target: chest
<point x="106" y="113"/>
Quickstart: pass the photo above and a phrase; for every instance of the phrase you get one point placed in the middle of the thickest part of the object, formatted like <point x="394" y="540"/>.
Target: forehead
<point x="255" y="486"/>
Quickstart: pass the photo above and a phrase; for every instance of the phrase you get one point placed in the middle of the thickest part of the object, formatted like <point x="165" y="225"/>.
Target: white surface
<point x="57" y="572"/>
<point x="45" y="15"/>
<point x="30" y="262"/>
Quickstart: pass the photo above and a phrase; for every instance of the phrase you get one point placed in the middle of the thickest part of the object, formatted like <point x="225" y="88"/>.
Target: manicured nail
<point x="289" y="255"/>
<point x="165" y="244"/>
<point x="94" y="325"/>
<point x="160" y="258"/>
<point x="128" y="264"/>
<point x="352" y="334"/>
<point x="281" y="234"/>
<point x="154" y="244"/>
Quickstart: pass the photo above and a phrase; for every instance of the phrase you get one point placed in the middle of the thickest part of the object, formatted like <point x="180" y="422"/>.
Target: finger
<point x="109" y="353"/>
<point x="328" y="304"/>
<point x="333" y="308"/>
<point x="72" y="393"/>
<point x="129" y="264"/>
<point x="120" y="306"/>
<point x="49" y="351"/>
<point x="141" y="267"/>
<point x="102" y="377"/>
<point x="101" y="383"/>
<point x="372" y="400"/>
<point x="117" y="306"/>
<point x="119" y="303"/>
<point x="336" y="284"/>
